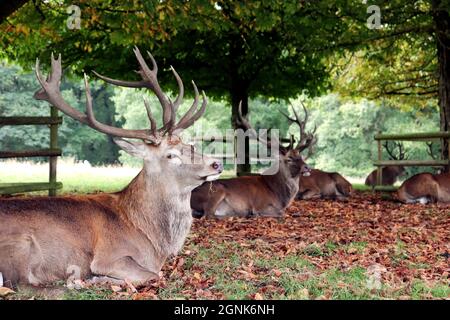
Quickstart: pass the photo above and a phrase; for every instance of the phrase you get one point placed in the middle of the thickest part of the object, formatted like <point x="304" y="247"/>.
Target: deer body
<point x="125" y="235"/>
<point x="424" y="188"/>
<point x="389" y="176"/>
<point x="122" y="235"/>
<point x="321" y="184"/>
<point x="262" y="195"/>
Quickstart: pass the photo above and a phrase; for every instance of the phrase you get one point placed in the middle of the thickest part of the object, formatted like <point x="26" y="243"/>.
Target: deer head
<point x="161" y="149"/>
<point x="290" y="158"/>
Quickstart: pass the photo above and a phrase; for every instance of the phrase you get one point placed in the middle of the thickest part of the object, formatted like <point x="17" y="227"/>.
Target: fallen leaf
<point x="5" y="292"/>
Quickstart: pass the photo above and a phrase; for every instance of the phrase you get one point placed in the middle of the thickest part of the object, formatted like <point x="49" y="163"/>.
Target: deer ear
<point x="134" y="148"/>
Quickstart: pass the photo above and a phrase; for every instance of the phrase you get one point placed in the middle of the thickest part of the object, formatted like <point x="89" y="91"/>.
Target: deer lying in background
<point x="324" y="185"/>
<point x="124" y="235"/>
<point x="318" y="184"/>
<point x="425" y="188"/>
<point x="389" y="174"/>
<point x="261" y="195"/>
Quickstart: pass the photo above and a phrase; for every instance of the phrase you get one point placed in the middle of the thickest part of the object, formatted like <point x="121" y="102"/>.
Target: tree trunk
<point x="442" y="22"/>
<point x="239" y="92"/>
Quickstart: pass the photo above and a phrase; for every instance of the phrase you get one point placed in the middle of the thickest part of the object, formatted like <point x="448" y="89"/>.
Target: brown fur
<point x="424" y="188"/>
<point x="263" y="195"/>
<point x="126" y="235"/>
<point x="321" y="184"/>
<point x="389" y="176"/>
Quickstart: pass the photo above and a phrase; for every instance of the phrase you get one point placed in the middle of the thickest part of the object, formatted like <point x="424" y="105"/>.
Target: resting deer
<point x="249" y="196"/>
<point x="318" y="184"/>
<point x="425" y="188"/>
<point x="389" y="174"/>
<point x="324" y="185"/>
<point x="124" y="235"/>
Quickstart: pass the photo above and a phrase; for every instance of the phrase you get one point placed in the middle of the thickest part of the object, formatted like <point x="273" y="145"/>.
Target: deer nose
<point x="217" y="166"/>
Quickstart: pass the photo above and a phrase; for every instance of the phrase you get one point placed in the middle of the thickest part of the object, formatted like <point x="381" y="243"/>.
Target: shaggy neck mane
<point x="159" y="209"/>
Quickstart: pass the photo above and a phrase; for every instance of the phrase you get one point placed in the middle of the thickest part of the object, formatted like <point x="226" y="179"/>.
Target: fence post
<point x="53" y="159"/>
<point x="448" y="154"/>
<point x="379" y="170"/>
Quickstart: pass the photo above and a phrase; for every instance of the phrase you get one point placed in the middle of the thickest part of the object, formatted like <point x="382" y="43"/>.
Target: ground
<point x="368" y="248"/>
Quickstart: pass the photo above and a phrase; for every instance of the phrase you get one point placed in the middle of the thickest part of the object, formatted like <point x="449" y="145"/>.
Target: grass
<point x="234" y="271"/>
<point x="77" y="177"/>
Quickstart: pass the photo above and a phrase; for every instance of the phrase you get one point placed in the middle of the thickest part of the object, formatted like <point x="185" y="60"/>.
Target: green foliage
<point x="345" y="131"/>
<point x="272" y="48"/>
<point x="77" y="140"/>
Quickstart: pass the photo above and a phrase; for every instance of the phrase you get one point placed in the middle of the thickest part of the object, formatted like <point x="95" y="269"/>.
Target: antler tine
<point x="247" y="126"/>
<point x="202" y="109"/>
<point x="389" y="151"/>
<point x="122" y="83"/>
<point x="307" y="139"/>
<point x="286" y="116"/>
<point x="430" y="150"/>
<point x="118" y="132"/>
<point x="242" y="121"/>
<point x="151" y="77"/>
<point x="50" y="92"/>
<point x="401" y="151"/>
<point x="180" y="96"/>
<point x="184" y="120"/>
<point x="198" y="114"/>
<point x="153" y="127"/>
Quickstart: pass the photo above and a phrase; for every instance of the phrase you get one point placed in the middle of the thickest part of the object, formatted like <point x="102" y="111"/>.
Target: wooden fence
<point x="232" y="156"/>
<point x="53" y="152"/>
<point x="424" y="137"/>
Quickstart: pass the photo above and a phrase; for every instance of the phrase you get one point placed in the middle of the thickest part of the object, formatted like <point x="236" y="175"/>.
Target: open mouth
<point x="211" y="177"/>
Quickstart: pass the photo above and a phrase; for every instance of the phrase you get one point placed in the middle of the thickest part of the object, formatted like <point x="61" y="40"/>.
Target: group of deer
<point x="423" y="187"/>
<point x="128" y="235"/>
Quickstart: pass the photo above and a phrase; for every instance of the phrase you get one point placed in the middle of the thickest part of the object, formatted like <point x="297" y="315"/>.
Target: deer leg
<point x="311" y="194"/>
<point x="213" y="203"/>
<point x="123" y="268"/>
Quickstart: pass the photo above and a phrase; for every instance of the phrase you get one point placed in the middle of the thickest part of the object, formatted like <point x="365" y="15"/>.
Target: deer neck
<point x="283" y="185"/>
<point x="156" y="206"/>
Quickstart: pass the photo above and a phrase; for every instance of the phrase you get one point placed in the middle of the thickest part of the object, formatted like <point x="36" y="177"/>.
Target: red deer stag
<point x="389" y="174"/>
<point x="425" y="188"/>
<point x="318" y="184"/>
<point x="124" y="235"/>
<point x="249" y="196"/>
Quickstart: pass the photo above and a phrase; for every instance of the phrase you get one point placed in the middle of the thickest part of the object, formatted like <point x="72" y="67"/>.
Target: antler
<point x="243" y="122"/>
<point x="399" y="146"/>
<point x="50" y="92"/>
<point x="307" y="139"/>
<point x="150" y="81"/>
<point x="430" y="152"/>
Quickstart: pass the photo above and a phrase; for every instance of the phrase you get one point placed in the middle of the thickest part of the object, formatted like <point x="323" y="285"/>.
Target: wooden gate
<point x="53" y="152"/>
<point x="424" y="137"/>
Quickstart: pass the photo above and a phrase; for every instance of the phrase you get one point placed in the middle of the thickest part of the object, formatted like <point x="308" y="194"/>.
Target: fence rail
<point x="417" y="137"/>
<point x="232" y="139"/>
<point x="53" y="152"/>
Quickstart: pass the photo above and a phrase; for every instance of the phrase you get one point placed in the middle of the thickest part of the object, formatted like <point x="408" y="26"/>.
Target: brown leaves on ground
<point x="421" y="231"/>
<point x="403" y="242"/>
